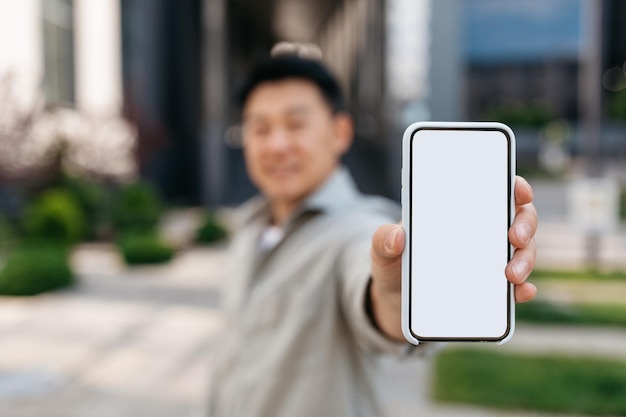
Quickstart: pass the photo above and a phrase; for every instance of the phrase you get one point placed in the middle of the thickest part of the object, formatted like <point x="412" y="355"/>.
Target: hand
<point x="388" y="244"/>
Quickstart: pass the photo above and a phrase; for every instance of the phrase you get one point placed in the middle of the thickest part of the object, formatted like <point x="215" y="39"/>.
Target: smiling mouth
<point x="281" y="172"/>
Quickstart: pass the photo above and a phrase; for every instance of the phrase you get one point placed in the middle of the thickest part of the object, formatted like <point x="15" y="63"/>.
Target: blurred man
<point x="315" y="277"/>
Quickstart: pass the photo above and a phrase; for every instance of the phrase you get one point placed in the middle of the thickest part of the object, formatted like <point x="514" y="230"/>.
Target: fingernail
<point x="522" y="231"/>
<point x="391" y="238"/>
<point x="520" y="270"/>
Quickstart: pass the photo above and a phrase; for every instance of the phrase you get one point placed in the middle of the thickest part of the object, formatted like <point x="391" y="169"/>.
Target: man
<point x="315" y="283"/>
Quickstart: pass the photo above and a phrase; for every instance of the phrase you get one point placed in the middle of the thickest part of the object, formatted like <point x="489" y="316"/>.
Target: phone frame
<point x="406" y="220"/>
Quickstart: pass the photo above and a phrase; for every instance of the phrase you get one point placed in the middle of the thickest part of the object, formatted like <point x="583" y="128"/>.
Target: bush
<point x="532" y="115"/>
<point x="92" y="199"/>
<point x="211" y="230"/>
<point x="136" y="208"/>
<point x="6" y="232"/>
<point x="33" y="270"/>
<point x="144" y="248"/>
<point x="54" y="216"/>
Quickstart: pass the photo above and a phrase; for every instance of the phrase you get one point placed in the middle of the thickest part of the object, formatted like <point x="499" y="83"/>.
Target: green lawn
<point x="575" y="314"/>
<point x="579" y="275"/>
<point x="541" y="383"/>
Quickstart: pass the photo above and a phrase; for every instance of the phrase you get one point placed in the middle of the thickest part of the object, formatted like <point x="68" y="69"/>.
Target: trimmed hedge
<point x="144" y="248"/>
<point x="211" y="230"/>
<point x="93" y="200"/>
<point x="56" y="217"/>
<point x="6" y="233"/>
<point x="137" y="208"/>
<point x="33" y="270"/>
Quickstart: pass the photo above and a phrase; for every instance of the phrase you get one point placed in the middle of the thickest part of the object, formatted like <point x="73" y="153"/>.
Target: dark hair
<point x="291" y="66"/>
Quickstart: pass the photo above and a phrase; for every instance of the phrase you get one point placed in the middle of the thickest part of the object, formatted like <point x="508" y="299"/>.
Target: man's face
<point x="292" y="140"/>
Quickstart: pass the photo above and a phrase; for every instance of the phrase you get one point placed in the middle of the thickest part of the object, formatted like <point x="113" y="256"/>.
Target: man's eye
<point x="257" y="130"/>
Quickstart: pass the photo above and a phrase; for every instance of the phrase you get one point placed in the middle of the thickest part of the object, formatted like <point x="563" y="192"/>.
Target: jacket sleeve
<point x="354" y="269"/>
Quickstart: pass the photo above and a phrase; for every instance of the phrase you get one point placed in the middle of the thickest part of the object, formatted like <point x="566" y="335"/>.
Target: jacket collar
<point x="338" y="190"/>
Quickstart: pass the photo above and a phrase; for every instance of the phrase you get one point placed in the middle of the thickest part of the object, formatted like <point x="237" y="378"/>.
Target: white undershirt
<point x="271" y="236"/>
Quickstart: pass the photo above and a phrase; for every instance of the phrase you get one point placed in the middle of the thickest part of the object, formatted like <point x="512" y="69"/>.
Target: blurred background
<point x="120" y="158"/>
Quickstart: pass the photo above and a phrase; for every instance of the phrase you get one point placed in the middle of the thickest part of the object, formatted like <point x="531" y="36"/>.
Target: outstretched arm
<point x="386" y="253"/>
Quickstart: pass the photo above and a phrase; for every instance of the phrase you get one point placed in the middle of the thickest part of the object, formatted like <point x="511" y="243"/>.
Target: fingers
<point x="521" y="236"/>
<point x="523" y="191"/>
<point x="525" y="292"/>
<point x="519" y="268"/>
<point x="524" y="226"/>
<point x="522" y="263"/>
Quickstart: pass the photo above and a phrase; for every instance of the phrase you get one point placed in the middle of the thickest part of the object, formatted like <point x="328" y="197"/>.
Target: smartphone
<point x="457" y="206"/>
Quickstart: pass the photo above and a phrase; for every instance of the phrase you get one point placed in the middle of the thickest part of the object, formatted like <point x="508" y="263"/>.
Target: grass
<point x="574" y="314"/>
<point x="553" y="384"/>
<point x="537" y="173"/>
<point x="589" y="275"/>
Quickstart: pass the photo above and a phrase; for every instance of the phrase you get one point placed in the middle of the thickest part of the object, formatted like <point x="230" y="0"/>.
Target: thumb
<point x="387" y="247"/>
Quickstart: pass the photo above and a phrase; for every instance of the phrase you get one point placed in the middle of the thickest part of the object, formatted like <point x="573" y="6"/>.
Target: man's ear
<point x="344" y="132"/>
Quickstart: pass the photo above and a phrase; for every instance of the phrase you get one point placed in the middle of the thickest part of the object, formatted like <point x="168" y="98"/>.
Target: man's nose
<point x="278" y="139"/>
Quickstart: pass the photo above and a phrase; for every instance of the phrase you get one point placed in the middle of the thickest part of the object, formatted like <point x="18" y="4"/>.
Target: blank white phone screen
<point x="460" y="202"/>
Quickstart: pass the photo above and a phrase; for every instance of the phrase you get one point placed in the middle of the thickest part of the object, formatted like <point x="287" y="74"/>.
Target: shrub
<point x="535" y="116"/>
<point x="6" y="232"/>
<point x="54" y="216"/>
<point x="33" y="270"/>
<point x="92" y="199"/>
<point x="211" y="230"/>
<point x="144" y="248"/>
<point x="136" y="208"/>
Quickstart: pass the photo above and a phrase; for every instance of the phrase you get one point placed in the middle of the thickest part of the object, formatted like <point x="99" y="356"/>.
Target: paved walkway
<point x="134" y="342"/>
<point x="123" y="343"/>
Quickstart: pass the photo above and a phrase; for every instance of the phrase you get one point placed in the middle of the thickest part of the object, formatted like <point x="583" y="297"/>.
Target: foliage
<point x="136" y="208"/>
<point x="536" y="172"/>
<point x="54" y="216"/>
<point x="522" y="116"/>
<point x="577" y="314"/>
<point x="553" y="383"/>
<point x="93" y="201"/>
<point x="144" y="248"/>
<point x="617" y="105"/>
<point x="211" y="230"/>
<point x="35" y="269"/>
<point x="6" y="232"/>
<point x="37" y="141"/>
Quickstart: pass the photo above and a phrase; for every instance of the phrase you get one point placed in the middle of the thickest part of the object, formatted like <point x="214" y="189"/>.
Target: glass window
<point x="58" y="48"/>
